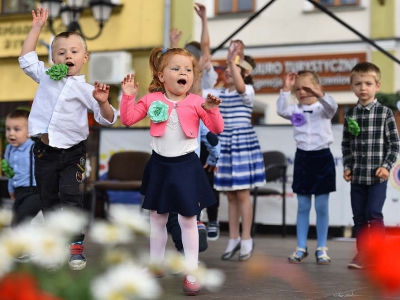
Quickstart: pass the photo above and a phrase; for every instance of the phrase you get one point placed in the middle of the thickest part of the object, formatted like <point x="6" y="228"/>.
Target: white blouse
<point x="316" y="132"/>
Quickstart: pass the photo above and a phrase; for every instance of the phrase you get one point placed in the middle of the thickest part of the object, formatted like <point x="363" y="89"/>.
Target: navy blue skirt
<point x="176" y="184"/>
<point x="314" y="172"/>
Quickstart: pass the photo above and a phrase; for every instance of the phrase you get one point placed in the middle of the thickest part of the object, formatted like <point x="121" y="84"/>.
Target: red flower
<point x="22" y="286"/>
<point x="382" y="260"/>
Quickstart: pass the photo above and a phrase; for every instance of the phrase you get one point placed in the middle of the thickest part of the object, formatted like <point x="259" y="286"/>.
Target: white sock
<point x="246" y="246"/>
<point x="232" y="243"/>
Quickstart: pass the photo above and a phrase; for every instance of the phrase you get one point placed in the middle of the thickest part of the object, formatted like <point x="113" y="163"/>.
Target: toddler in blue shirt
<point x="18" y="166"/>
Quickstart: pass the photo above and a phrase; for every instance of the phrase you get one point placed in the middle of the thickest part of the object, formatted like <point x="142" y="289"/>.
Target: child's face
<point x="16" y="131"/>
<point x="365" y="87"/>
<point x="70" y="51"/>
<point x="177" y="76"/>
<point x="301" y="89"/>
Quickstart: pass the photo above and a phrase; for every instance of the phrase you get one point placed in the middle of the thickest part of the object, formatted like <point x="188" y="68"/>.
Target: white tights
<point x="159" y="237"/>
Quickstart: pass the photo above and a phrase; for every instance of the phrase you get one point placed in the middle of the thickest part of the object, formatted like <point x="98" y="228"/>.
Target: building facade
<point x="291" y="35"/>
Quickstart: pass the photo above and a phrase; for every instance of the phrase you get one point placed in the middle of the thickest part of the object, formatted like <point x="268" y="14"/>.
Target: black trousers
<point x="26" y="206"/>
<point x="58" y="174"/>
<point x="212" y="211"/>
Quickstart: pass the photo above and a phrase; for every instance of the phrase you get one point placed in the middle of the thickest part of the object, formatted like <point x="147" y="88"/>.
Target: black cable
<point x="328" y="12"/>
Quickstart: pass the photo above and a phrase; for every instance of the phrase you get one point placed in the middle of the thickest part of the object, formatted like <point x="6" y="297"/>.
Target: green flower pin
<point x="57" y="72"/>
<point x="353" y="126"/>
<point x="158" y="111"/>
<point x="7" y="170"/>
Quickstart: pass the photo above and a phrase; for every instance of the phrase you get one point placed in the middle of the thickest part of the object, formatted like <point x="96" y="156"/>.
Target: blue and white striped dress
<point x="241" y="164"/>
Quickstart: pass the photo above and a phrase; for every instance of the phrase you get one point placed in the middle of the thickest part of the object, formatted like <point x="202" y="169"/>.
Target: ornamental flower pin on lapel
<point x="298" y="120"/>
<point x="57" y="72"/>
<point x="353" y="126"/>
<point x="158" y="111"/>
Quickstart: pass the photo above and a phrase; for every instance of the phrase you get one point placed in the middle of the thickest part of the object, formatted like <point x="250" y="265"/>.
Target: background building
<point x="291" y="35"/>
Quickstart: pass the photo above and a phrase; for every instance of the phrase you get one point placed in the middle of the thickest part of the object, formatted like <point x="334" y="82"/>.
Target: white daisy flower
<point x="50" y="249"/>
<point x="110" y="234"/>
<point x="6" y="261"/>
<point x="212" y="279"/>
<point x="131" y="218"/>
<point x="19" y="240"/>
<point x="66" y="221"/>
<point x="125" y="282"/>
<point x="5" y="217"/>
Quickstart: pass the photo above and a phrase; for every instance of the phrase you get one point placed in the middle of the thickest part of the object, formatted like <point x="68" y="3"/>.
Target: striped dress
<point x="241" y="164"/>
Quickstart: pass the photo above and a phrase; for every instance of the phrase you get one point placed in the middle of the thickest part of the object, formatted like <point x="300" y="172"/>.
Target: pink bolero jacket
<point x="189" y="111"/>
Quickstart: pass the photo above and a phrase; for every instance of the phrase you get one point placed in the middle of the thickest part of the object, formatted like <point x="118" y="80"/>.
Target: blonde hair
<point x="366" y="68"/>
<point x="66" y="35"/>
<point x="158" y="61"/>
<point x="312" y="74"/>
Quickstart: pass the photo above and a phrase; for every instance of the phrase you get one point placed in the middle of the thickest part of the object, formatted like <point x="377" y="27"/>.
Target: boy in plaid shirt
<point x="370" y="148"/>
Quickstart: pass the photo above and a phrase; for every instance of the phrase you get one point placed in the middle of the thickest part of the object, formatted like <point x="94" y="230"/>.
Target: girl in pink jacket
<point x="173" y="180"/>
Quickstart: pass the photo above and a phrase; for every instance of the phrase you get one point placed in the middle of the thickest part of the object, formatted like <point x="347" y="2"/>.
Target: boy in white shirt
<point x="59" y="117"/>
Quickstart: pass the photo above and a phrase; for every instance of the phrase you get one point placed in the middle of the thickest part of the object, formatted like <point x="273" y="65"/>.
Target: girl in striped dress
<point x="241" y="165"/>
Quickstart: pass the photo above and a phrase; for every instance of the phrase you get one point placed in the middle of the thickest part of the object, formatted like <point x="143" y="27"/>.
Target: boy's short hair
<point x="67" y="34"/>
<point x="18" y="113"/>
<point x="366" y="68"/>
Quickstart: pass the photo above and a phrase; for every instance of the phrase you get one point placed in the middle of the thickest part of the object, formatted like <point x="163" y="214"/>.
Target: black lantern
<point x="70" y="12"/>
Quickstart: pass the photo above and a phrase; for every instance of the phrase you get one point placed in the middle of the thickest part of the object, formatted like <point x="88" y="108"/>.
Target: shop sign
<point x="333" y="70"/>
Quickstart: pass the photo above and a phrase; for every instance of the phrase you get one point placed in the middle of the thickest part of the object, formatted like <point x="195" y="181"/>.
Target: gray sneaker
<point x="77" y="261"/>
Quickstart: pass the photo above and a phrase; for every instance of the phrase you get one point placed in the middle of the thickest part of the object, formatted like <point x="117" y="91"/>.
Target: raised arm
<point x="205" y="36"/>
<point x="234" y="50"/>
<point x="39" y="19"/>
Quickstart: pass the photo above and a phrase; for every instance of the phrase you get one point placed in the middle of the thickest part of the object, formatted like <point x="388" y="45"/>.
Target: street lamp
<point x="70" y="11"/>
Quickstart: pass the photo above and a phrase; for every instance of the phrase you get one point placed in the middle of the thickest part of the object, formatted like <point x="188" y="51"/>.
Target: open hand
<point x="289" y="81"/>
<point x="200" y="10"/>
<point x="211" y="102"/>
<point x="40" y="17"/>
<point x="235" y="49"/>
<point x="101" y="92"/>
<point x="128" y="85"/>
<point x="174" y="37"/>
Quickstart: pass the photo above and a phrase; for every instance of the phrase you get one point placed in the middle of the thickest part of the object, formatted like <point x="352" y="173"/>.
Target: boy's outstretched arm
<point x="39" y="19"/>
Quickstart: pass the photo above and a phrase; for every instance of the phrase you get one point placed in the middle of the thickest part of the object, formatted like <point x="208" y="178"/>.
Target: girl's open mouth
<point x="182" y="82"/>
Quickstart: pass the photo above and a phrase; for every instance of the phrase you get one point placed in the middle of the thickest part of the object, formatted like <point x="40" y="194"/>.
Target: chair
<point x="275" y="168"/>
<point x="125" y="172"/>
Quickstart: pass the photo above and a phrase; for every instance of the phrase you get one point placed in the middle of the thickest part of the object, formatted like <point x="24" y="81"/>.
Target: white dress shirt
<point x="316" y="133"/>
<point x="60" y="107"/>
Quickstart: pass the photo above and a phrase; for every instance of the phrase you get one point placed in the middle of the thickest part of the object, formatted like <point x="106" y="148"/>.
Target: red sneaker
<point x="190" y="288"/>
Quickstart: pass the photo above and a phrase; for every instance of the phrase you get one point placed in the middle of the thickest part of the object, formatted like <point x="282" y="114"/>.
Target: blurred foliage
<point x="389" y="100"/>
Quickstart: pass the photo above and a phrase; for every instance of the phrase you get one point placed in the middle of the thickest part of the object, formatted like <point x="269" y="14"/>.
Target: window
<point x="17" y="6"/>
<point x="339" y="2"/>
<point x="233" y="6"/>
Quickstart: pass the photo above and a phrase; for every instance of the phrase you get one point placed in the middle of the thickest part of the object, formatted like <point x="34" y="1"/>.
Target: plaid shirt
<point x="376" y="146"/>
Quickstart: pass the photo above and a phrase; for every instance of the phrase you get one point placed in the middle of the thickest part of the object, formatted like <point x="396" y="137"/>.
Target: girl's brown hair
<point x="158" y="61"/>
<point x="248" y="79"/>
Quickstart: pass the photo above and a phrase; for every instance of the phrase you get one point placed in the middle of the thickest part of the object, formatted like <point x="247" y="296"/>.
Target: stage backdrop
<point x="269" y="210"/>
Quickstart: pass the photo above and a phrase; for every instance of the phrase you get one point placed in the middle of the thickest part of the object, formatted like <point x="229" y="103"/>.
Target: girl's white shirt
<point x="316" y="133"/>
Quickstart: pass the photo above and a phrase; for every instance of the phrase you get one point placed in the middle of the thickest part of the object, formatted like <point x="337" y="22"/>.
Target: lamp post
<point x="70" y="11"/>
